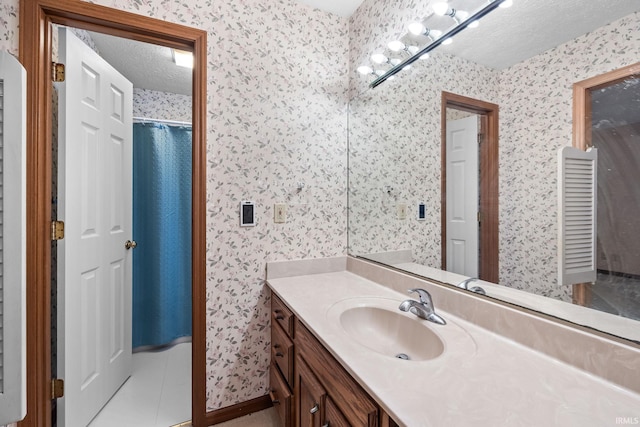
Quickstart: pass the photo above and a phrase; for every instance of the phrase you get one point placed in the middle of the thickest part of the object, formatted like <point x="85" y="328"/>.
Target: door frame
<point x="488" y="264"/>
<point x="35" y="54"/>
<point x="581" y="136"/>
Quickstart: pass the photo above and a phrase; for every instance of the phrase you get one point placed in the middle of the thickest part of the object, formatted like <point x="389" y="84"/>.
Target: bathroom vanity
<point x="337" y="335"/>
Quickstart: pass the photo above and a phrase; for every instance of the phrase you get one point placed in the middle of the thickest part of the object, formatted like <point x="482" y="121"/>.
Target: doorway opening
<point x="144" y="343"/>
<point x="607" y="117"/>
<point x="36" y="17"/>
<point x="483" y="168"/>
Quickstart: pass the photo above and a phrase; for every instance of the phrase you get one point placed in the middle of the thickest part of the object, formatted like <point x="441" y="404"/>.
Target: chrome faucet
<point x="465" y="285"/>
<point x="423" y="309"/>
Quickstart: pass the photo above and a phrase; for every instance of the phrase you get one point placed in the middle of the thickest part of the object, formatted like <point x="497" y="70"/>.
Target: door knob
<point x="130" y="244"/>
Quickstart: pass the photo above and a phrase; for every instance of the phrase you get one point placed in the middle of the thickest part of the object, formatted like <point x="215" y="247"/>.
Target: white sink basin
<point x="378" y="325"/>
<point x="391" y="333"/>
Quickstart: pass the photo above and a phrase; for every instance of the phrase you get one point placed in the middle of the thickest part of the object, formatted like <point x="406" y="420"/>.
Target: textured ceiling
<point x="530" y="27"/>
<point x="147" y="66"/>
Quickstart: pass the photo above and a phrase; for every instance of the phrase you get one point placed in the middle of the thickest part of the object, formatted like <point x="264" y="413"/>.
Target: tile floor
<point x="158" y="393"/>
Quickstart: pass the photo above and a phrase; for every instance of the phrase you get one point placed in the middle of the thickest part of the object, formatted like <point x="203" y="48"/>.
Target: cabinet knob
<point x="278" y="354"/>
<point x="279" y="317"/>
<point x="276" y="346"/>
<point x="326" y="424"/>
<point x="314" y="409"/>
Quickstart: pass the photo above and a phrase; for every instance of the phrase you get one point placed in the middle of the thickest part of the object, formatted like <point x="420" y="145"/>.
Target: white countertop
<point x="495" y="382"/>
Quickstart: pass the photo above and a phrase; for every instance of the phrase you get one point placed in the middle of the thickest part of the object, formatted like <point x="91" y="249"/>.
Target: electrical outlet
<point x="279" y="213"/>
<point x="401" y="209"/>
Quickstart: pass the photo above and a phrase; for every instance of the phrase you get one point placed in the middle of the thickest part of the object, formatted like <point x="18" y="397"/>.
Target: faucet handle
<point x="425" y="297"/>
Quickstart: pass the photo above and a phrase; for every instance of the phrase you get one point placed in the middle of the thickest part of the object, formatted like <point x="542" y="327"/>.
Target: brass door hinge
<point x="479" y="217"/>
<point x="57" y="72"/>
<point x="57" y="230"/>
<point x="57" y="388"/>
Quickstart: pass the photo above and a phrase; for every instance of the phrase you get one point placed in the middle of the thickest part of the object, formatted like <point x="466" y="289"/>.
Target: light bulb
<point x="424" y="56"/>
<point x="380" y="73"/>
<point x="435" y="33"/>
<point x="406" y="67"/>
<point x="413" y="49"/>
<point x="379" y="58"/>
<point x="417" y="29"/>
<point x="447" y="41"/>
<point x="395" y="61"/>
<point x="474" y="24"/>
<point x="461" y="14"/>
<point x="440" y="8"/>
<point x="363" y="69"/>
<point x="505" y="4"/>
<point x="396" y="45"/>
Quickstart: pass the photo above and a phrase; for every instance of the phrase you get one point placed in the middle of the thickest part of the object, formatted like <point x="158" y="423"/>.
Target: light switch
<point x="401" y="210"/>
<point x="279" y="213"/>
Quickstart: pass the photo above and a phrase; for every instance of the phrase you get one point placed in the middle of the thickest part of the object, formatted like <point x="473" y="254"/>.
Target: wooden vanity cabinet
<point x="282" y="361"/>
<point x="308" y="387"/>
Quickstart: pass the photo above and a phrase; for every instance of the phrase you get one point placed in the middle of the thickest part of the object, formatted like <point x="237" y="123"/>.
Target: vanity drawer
<point x="282" y="315"/>
<point x="282" y="352"/>
<point x="280" y="396"/>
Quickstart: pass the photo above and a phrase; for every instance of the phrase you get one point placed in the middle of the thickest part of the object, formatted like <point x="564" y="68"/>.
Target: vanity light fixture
<point x="182" y="58"/>
<point x="443" y="9"/>
<point x="419" y="29"/>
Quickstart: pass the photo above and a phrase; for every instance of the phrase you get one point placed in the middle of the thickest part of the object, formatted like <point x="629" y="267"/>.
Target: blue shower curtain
<point x="162" y="230"/>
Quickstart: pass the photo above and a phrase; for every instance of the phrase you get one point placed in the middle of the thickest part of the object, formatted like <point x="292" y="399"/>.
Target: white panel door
<point x="94" y="201"/>
<point x="462" y="196"/>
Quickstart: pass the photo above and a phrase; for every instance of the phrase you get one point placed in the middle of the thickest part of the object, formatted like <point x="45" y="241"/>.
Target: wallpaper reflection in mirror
<point x="395" y="159"/>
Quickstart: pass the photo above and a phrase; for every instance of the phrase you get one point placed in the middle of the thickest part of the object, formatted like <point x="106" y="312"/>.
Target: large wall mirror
<point x="405" y="186"/>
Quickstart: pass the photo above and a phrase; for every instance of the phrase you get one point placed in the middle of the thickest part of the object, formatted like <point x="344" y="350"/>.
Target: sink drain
<point x="402" y="356"/>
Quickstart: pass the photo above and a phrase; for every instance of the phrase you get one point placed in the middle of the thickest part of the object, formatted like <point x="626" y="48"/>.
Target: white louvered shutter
<point x="577" y="208"/>
<point x="12" y="240"/>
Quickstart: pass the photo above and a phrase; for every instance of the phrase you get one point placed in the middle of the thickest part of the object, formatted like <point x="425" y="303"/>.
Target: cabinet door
<point x="333" y="416"/>
<point x="311" y="396"/>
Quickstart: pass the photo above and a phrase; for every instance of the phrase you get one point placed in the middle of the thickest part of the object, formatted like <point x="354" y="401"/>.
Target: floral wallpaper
<point x="395" y="142"/>
<point x="277" y="116"/>
<point x="153" y="104"/>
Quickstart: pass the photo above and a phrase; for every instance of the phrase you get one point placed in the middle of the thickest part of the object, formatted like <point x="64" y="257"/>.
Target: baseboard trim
<point x="238" y="410"/>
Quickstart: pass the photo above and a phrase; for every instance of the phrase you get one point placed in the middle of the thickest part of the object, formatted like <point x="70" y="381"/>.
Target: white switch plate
<point x="279" y="213"/>
<point x="401" y="210"/>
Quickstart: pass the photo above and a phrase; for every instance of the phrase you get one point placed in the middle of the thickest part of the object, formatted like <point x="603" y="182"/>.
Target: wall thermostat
<point x="422" y="211"/>
<point x="247" y="214"/>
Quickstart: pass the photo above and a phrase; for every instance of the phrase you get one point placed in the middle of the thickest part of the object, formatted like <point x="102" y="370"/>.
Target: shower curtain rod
<point x="169" y="122"/>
